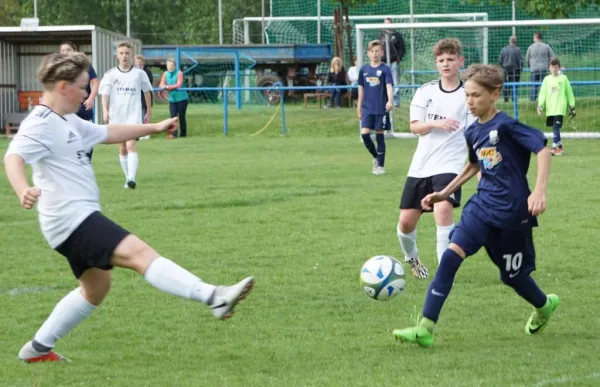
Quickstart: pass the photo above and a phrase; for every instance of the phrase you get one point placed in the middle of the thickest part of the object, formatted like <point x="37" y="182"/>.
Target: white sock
<point x="408" y="243"/>
<point x="133" y="165"/>
<point x="67" y="314"/>
<point x="443" y="239"/>
<point x="123" y="160"/>
<point x="173" y="279"/>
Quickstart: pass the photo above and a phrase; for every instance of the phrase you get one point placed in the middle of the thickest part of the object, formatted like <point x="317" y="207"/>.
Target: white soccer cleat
<point x="28" y="354"/>
<point x="225" y="298"/>
<point x="375" y="167"/>
<point x="380" y="171"/>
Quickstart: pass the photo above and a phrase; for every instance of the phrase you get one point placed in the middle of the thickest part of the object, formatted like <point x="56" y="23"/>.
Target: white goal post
<point x="363" y="31"/>
<point x="241" y="27"/>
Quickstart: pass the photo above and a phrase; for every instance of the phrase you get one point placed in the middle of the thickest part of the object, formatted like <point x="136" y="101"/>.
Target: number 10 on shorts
<point x="513" y="262"/>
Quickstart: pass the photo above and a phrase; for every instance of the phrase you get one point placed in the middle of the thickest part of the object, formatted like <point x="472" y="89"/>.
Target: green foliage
<point x="153" y="22"/>
<point x="547" y="9"/>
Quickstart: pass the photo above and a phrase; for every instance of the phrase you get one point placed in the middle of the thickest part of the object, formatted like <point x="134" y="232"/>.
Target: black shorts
<point x="92" y="244"/>
<point x="551" y="120"/>
<point x="416" y="188"/>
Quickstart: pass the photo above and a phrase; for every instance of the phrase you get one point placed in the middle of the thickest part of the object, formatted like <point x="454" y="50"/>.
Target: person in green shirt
<point x="556" y="95"/>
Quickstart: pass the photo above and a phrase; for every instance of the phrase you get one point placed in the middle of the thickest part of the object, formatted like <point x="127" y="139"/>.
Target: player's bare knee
<point x="131" y="146"/>
<point x="122" y="149"/>
<point x="457" y="249"/>
<point x="442" y="212"/>
<point x="407" y="222"/>
<point x="133" y="253"/>
<point x="94" y="285"/>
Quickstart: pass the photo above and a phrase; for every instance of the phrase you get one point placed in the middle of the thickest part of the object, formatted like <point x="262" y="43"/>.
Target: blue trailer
<point x="291" y="65"/>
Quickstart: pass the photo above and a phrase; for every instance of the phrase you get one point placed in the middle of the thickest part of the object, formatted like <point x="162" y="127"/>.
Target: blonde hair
<point x="125" y="43"/>
<point x="490" y="77"/>
<point x="140" y="57"/>
<point x="450" y="46"/>
<point x="336" y="60"/>
<point x="374" y="43"/>
<point x="62" y="67"/>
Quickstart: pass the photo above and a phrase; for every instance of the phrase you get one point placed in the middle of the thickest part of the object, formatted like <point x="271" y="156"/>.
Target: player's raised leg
<point x="164" y="274"/>
<point x="406" y="231"/>
<point x="513" y="252"/>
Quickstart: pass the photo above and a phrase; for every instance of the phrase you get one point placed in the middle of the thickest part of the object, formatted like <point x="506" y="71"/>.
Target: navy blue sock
<point x="556" y="130"/>
<point x="380" y="138"/>
<point x="369" y="144"/>
<point x="440" y="287"/>
<point x="528" y="289"/>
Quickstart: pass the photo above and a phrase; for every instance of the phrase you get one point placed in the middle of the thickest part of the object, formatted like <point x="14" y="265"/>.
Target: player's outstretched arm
<point x="15" y="171"/>
<point x="119" y="133"/>
<point x="465" y="175"/>
<point x="537" y="200"/>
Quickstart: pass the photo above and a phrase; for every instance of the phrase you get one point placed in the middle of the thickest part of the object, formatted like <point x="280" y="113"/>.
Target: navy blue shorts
<point x="512" y="251"/>
<point x="375" y="122"/>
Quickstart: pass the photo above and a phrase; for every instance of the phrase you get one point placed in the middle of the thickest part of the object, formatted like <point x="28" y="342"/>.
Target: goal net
<point x="319" y="29"/>
<point x="575" y="42"/>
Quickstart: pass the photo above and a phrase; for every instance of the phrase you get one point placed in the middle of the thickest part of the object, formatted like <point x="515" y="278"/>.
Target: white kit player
<point x="120" y="89"/>
<point x="56" y="142"/>
<point x="439" y="116"/>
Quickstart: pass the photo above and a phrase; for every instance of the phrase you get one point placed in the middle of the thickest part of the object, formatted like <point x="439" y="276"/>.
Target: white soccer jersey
<point x="123" y="89"/>
<point x="438" y="151"/>
<point x="57" y="149"/>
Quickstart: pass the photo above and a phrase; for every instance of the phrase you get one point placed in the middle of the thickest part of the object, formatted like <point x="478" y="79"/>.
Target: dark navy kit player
<point x="501" y="214"/>
<point x="375" y="94"/>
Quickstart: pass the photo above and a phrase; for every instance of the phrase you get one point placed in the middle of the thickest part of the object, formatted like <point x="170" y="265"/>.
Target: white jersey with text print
<point x="57" y="148"/>
<point x="438" y="151"/>
<point x="123" y="89"/>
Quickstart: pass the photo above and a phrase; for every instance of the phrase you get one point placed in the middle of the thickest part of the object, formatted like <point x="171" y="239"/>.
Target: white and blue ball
<point x="382" y="277"/>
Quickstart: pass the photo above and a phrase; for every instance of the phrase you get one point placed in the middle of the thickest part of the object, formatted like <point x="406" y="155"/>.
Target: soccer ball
<point x="382" y="277"/>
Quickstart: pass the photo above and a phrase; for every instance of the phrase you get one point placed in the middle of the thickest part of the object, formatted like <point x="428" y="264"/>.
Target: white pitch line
<point x="567" y="379"/>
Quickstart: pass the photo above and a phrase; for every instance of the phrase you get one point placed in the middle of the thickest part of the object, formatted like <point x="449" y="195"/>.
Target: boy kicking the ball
<point x="375" y="94"/>
<point x="55" y="142"/>
<point x="501" y="214"/>
<point x="439" y="116"/>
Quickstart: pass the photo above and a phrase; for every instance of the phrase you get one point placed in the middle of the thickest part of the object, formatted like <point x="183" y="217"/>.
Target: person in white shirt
<point x="55" y="141"/>
<point x="121" y="104"/>
<point x="439" y="116"/>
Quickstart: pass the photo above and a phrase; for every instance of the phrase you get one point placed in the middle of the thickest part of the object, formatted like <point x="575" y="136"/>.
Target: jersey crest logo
<point x="378" y="73"/>
<point x="490" y="157"/>
<point x="373" y="81"/>
<point x="494" y="137"/>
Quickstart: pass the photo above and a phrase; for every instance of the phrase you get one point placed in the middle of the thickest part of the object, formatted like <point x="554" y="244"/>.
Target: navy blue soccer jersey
<point x="503" y="147"/>
<point x="82" y="112"/>
<point x="374" y="81"/>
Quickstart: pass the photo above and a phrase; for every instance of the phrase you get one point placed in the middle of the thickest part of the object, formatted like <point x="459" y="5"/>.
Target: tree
<point x="547" y="9"/>
<point x="341" y="24"/>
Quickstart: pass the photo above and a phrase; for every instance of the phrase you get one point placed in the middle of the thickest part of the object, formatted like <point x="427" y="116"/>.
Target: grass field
<point x="301" y="213"/>
<point x="311" y="122"/>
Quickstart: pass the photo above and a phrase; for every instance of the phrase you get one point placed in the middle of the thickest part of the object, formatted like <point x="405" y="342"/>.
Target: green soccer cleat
<point x="540" y="317"/>
<point x="418" y="334"/>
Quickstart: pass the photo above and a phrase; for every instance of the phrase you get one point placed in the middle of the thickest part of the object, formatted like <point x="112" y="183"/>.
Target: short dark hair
<point x="69" y="43"/>
<point x="538" y="35"/>
<point x="555" y="62"/>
